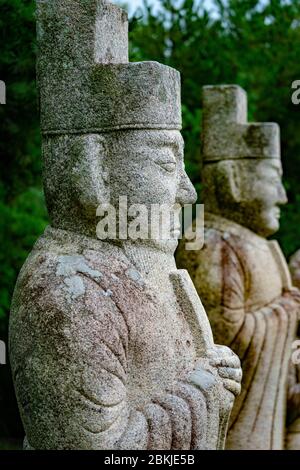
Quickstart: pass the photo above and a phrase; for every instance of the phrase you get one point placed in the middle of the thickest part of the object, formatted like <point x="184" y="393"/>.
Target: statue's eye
<point x="169" y="166"/>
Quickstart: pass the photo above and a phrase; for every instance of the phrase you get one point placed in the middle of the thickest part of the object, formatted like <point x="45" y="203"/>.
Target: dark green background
<point x="255" y="46"/>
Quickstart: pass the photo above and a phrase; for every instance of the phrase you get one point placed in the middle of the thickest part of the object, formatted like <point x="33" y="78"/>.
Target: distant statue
<point x="110" y="345"/>
<point x="243" y="279"/>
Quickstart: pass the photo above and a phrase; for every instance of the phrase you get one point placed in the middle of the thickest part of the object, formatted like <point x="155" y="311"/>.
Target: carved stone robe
<point x="98" y="361"/>
<point x="240" y="278"/>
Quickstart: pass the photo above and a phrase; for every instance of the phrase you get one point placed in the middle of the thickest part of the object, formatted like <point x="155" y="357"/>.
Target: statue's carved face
<point x="83" y="173"/>
<point x="147" y="166"/>
<point x="267" y="194"/>
<point x="257" y="194"/>
<point x="247" y="191"/>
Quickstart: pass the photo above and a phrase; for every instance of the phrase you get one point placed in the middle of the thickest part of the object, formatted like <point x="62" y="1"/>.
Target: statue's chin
<point x="268" y="227"/>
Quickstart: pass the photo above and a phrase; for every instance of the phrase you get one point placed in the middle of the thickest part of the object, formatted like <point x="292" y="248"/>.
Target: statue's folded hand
<point x="203" y="376"/>
<point x="218" y="376"/>
<point x="222" y="365"/>
<point x="228" y="366"/>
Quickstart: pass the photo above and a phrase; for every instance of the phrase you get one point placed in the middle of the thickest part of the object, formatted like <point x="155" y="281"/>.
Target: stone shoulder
<point x="218" y="244"/>
<point x="60" y="288"/>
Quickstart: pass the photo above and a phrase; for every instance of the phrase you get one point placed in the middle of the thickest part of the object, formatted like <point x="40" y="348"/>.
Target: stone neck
<point x="154" y="264"/>
<point x="229" y="226"/>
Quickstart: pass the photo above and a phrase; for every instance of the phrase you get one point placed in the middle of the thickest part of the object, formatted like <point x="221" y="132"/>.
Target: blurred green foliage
<point x="248" y="42"/>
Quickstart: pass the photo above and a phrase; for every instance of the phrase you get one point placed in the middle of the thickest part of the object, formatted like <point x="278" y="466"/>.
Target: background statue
<point x="110" y="346"/>
<point x="242" y="278"/>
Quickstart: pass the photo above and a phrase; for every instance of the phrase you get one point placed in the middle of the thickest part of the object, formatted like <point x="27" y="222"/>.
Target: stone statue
<point x="110" y="346"/>
<point x="243" y="279"/>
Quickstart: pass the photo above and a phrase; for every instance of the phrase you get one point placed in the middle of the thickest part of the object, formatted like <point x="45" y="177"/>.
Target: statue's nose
<point x="186" y="193"/>
<point x="283" y="199"/>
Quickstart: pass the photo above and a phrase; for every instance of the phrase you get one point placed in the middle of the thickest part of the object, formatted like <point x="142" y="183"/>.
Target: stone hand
<point x="203" y="376"/>
<point x="221" y="365"/>
<point x="228" y="366"/>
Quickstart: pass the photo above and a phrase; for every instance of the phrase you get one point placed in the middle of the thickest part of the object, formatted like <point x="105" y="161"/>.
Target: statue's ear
<point x="230" y="181"/>
<point x="89" y="175"/>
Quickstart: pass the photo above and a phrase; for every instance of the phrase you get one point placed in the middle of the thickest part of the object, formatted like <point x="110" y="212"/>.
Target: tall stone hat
<point x="226" y="133"/>
<point x="86" y="83"/>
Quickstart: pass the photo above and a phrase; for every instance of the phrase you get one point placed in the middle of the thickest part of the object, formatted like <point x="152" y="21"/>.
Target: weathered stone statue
<point x="109" y="344"/>
<point x="242" y="278"/>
